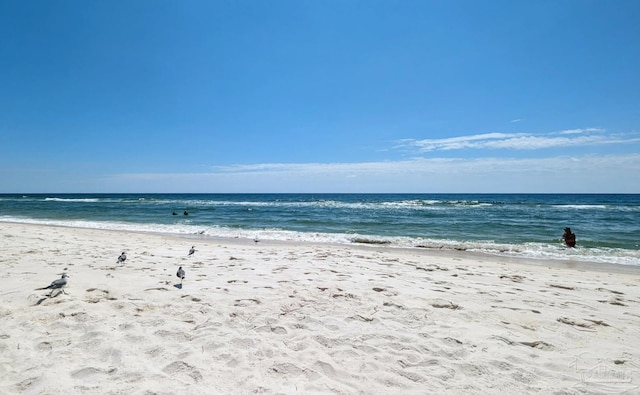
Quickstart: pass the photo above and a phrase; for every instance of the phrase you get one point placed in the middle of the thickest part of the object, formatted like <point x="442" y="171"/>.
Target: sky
<point x="312" y="96"/>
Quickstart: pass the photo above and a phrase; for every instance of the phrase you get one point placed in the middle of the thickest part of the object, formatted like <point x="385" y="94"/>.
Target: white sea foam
<point x="324" y="203"/>
<point x="82" y="200"/>
<point x="581" y="206"/>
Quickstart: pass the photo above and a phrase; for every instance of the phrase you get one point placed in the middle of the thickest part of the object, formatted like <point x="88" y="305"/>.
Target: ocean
<point x="607" y="226"/>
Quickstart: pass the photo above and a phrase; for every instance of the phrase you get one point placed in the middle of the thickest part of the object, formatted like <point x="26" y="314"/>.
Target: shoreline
<point x="291" y="317"/>
<point x="433" y="252"/>
<point x="520" y="225"/>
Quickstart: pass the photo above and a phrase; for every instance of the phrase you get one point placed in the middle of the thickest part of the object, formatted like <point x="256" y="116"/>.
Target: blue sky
<point x="320" y="96"/>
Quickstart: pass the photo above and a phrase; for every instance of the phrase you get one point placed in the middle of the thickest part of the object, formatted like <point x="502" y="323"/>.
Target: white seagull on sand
<point x="192" y="250"/>
<point x="122" y="257"/>
<point x="56" y="284"/>
<point x="180" y="274"/>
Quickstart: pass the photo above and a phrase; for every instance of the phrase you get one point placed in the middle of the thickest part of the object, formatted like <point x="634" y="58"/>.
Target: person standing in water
<point x="569" y="237"/>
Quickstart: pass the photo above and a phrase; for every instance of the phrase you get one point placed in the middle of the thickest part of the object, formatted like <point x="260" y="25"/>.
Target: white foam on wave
<point x="582" y="206"/>
<point x="81" y="200"/>
<point x="416" y="204"/>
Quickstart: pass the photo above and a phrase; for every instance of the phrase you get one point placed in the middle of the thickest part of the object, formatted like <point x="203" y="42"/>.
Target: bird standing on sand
<point x="56" y="284"/>
<point x="180" y="274"/>
<point x="122" y="258"/>
<point x="192" y="250"/>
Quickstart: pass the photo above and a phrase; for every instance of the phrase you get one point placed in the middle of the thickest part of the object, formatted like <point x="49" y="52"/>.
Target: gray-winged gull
<point x="192" y="250"/>
<point x="180" y="274"/>
<point x="122" y="257"/>
<point x="56" y="284"/>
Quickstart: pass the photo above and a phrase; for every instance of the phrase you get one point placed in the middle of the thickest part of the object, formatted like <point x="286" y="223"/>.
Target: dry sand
<point x="290" y="318"/>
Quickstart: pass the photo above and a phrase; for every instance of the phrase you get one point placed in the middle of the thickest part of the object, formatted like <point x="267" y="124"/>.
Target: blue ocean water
<point x="526" y="225"/>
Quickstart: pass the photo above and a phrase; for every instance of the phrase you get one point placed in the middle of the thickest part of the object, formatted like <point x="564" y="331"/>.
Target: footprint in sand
<point x="24" y="385"/>
<point x="289" y="369"/>
<point x="98" y="294"/>
<point x="180" y="368"/>
<point x="390" y="304"/>
<point x="445" y="304"/>
<point x="610" y="290"/>
<point x="44" y="346"/>
<point x="246" y="302"/>
<point x="587" y="323"/>
<point x="515" y="278"/>
<point x="90" y="371"/>
<point x="432" y="268"/>
<point x="567" y="287"/>
<point x="539" y="344"/>
<point x="616" y="300"/>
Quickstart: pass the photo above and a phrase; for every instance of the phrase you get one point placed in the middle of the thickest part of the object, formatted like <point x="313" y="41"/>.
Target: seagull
<point x="56" y="284"/>
<point x="122" y="258"/>
<point x="192" y="250"/>
<point x="180" y="274"/>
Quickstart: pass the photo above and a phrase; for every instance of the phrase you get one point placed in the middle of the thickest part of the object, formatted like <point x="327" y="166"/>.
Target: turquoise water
<point x="527" y="225"/>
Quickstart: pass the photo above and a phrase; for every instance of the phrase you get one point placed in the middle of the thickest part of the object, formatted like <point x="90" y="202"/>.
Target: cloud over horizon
<point x="562" y="174"/>
<point x="522" y="141"/>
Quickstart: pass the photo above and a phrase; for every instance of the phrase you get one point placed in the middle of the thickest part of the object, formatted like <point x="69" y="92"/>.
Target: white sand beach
<point x="293" y="318"/>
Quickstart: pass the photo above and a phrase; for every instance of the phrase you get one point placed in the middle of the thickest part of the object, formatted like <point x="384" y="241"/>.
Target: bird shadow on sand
<point x="41" y="300"/>
<point x="51" y="296"/>
<point x="179" y="286"/>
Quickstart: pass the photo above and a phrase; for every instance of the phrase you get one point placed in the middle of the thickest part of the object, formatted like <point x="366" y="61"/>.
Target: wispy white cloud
<point x="587" y="173"/>
<point x="523" y="141"/>
<point x="582" y="131"/>
<point x="438" y="165"/>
